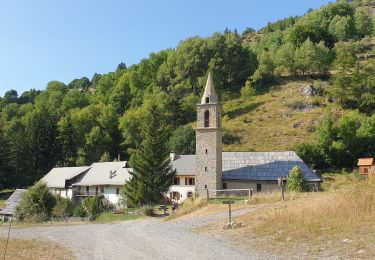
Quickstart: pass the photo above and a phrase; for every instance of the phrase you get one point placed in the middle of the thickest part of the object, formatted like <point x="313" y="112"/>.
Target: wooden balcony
<point x="87" y="193"/>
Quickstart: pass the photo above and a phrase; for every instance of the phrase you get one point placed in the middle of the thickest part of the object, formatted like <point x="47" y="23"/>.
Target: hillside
<point x="261" y="76"/>
<point x="274" y="120"/>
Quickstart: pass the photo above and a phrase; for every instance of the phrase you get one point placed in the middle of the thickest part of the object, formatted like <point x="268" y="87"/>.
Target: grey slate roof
<point x="184" y="164"/>
<point x="99" y="174"/>
<point x="263" y="166"/>
<point x="257" y="166"/>
<point x="12" y="202"/>
<point x="57" y="176"/>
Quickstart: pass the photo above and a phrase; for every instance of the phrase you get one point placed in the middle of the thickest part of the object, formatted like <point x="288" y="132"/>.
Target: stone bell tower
<point x="208" y="142"/>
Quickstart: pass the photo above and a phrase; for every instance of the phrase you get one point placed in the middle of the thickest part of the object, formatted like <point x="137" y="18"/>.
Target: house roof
<point x="263" y="166"/>
<point x="57" y="176"/>
<point x="365" y="161"/>
<point x="260" y="166"/>
<point x="12" y="202"/>
<point x="184" y="164"/>
<point x="105" y="173"/>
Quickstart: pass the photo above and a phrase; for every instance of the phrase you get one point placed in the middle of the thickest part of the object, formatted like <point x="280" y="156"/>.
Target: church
<point x="212" y="169"/>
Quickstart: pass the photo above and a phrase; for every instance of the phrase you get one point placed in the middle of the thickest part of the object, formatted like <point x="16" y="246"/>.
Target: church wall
<point x="266" y="186"/>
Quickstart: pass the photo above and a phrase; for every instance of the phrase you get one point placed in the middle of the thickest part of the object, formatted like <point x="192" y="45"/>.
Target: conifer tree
<point x="152" y="171"/>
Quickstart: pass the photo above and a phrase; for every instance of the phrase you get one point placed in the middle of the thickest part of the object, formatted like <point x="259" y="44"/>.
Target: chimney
<point x="118" y="157"/>
<point x="172" y="156"/>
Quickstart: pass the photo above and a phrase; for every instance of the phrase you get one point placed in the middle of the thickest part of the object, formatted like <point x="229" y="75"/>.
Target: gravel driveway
<point x="149" y="238"/>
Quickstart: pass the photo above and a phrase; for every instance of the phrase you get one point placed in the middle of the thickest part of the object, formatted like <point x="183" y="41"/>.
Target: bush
<point x="63" y="208"/>
<point x="79" y="211"/>
<point x="296" y="181"/>
<point x="148" y="210"/>
<point x="91" y="205"/>
<point x="36" y="204"/>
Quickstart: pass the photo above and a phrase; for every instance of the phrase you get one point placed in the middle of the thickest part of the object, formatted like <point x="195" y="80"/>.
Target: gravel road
<point x="148" y="238"/>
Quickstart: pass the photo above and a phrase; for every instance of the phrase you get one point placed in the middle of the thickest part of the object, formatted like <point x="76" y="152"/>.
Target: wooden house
<point x="366" y="166"/>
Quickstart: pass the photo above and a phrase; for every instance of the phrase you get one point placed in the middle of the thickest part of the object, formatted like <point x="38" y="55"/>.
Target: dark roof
<point x="258" y="166"/>
<point x="12" y="202"/>
<point x="263" y="166"/>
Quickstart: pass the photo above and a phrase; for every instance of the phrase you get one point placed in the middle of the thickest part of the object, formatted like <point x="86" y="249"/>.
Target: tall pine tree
<point x="152" y="171"/>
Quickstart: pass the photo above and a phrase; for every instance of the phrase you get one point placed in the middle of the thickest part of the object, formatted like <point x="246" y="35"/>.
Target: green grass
<point x="110" y="216"/>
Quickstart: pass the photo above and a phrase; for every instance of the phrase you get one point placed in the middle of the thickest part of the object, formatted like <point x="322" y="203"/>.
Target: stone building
<point x="212" y="169"/>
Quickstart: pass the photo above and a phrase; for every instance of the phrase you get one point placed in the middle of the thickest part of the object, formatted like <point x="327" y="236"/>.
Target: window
<point x="176" y="181"/>
<point x="365" y="170"/>
<point x="189" y="181"/>
<point x="259" y="187"/>
<point x="117" y="191"/>
<point x="206" y="118"/>
<point x="207" y="100"/>
<point x="206" y="151"/>
<point x="205" y="168"/>
<point x="224" y="185"/>
<point x="87" y="189"/>
<point x="101" y="189"/>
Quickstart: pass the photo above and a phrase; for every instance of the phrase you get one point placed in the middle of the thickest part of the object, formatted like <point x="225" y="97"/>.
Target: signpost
<point x="229" y="202"/>
<point x="280" y="181"/>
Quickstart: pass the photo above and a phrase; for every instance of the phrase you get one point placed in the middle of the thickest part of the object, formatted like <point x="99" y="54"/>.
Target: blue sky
<point x="44" y="40"/>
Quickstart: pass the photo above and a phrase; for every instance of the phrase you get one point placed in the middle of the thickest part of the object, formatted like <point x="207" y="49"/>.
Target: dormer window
<point x="206" y="118"/>
<point x="207" y="100"/>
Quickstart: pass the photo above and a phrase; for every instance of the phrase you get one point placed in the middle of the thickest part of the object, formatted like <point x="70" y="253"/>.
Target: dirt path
<point x="148" y="238"/>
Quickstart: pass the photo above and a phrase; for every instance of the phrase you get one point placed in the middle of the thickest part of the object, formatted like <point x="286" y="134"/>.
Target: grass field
<point x="31" y="249"/>
<point x="338" y="222"/>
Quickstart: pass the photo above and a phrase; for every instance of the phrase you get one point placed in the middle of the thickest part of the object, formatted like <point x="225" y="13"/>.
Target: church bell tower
<point x="208" y="142"/>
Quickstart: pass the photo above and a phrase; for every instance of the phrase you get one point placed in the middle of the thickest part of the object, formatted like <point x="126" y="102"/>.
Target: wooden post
<point x="230" y="211"/>
<point x="251" y="193"/>
<point x="281" y="184"/>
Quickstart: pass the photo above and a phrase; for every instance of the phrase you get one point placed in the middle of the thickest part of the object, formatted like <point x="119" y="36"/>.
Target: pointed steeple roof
<point x="209" y="95"/>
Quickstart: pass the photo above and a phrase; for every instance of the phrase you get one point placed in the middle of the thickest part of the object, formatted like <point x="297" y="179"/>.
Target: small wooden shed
<point x="366" y="166"/>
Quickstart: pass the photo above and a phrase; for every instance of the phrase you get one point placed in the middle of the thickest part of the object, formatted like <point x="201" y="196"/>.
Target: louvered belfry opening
<point x="206" y="118"/>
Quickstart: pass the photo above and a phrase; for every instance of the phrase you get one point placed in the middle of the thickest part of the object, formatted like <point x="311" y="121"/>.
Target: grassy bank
<point x="337" y="222"/>
<point x="31" y="249"/>
<point x="188" y="206"/>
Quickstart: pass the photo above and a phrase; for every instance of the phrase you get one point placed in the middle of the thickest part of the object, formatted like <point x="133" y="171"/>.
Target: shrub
<point x="247" y="92"/>
<point x="36" y="204"/>
<point x="148" y="210"/>
<point x="91" y="205"/>
<point x="79" y="211"/>
<point x="62" y="208"/>
<point x="296" y="181"/>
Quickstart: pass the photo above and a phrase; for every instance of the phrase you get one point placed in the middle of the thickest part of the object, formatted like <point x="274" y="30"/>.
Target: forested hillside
<point x="305" y="83"/>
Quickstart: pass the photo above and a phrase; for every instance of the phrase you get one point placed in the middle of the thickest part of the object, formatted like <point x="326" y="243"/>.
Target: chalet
<point x="100" y="179"/>
<point x="366" y="166"/>
<point x="60" y="180"/>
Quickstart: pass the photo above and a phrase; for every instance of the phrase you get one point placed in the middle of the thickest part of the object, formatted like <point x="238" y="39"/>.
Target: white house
<point x="60" y="180"/>
<point x="103" y="179"/>
<point x="100" y="179"/>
